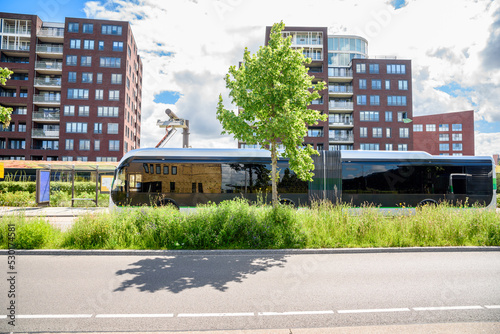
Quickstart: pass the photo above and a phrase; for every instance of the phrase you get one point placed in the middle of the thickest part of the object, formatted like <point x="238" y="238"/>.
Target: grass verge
<point x="238" y="225"/>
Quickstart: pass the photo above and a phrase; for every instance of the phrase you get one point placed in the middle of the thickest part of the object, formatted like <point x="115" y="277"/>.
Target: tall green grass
<point x="237" y="225"/>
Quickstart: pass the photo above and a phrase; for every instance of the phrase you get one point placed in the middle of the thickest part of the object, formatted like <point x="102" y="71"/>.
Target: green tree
<point x="274" y="90"/>
<point x="5" y="112"/>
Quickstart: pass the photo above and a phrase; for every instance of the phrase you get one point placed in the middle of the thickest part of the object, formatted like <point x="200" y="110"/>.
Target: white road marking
<point x="296" y="313"/>
<point x="447" y="308"/>
<point x="160" y="315"/>
<point x="250" y="314"/>
<point x="53" y="316"/>
<point x="376" y="310"/>
<point x="199" y="315"/>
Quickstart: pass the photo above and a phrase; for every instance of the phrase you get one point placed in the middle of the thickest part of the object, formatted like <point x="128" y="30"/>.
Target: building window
<point x="396" y="100"/>
<point x="374" y="100"/>
<point x="402" y="116"/>
<point x="75" y="43"/>
<point x="362" y="83"/>
<point x="100" y="46"/>
<point x="404" y="133"/>
<point x="67" y="158"/>
<point x="388" y="132"/>
<point x="72" y="27"/>
<point x="88" y="28"/>
<point x="361" y="100"/>
<point x="369" y="116"/>
<point x="107" y="111"/>
<point x="114" y="95"/>
<point x="457" y="146"/>
<point x="71" y="60"/>
<point x="98" y="128"/>
<point x="86" y="61"/>
<point x="110" y="62"/>
<point x="430" y="127"/>
<point x="112" y="128"/>
<point x="315" y="132"/>
<point x="83" y="111"/>
<point x="111" y="29"/>
<point x="418" y="127"/>
<point x="117" y="46"/>
<point x="360" y="68"/>
<point x="388" y="147"/>
<point x="444" y="127"/>
<point x="70" y="144"/>
<point x="97" y="145"/>
<point x="99" y="94"/>
<point x="116" y="79"/>
<point x="71" y="76"/>
<point x="69" y="110"/>
<point x="444" y="147"/>
<point x="363" y="132"/>
<point x="444" y="137"/>
<point x="388" y="116"/>
<point x="376" y="84"/>
<point x="114" y="145"/>
<point x="396" y="69"/>
<point x="84" y="144"/>
<point x="88" y="44"/>
<point x="403" y="84"/>
<point x="87" y="77"/>
<point x="377" y="132"/>
<point x="387" y="84"/>
<point x="369" y="147"/>
<point x="402" y="147"/>
<point x="99" y="78"/>
<point x="22" y="127"/>
<point x="456" y="136"/>
<point x="374" y="68"/>
<point x="81" y="94"/>
<point x="76" y="127"/>
<point x="456" y="127"/>
<point x="17" y="144"/>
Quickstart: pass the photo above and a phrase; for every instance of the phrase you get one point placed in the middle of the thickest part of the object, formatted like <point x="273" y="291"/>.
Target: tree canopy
<point x="273" y="91"/>
<point x="5" y="112"/>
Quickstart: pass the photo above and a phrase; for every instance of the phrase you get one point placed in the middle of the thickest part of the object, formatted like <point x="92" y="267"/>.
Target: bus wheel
<point x="166" y="202"/>
<point x="427" y="202"/>
<point x="286" y="201"/>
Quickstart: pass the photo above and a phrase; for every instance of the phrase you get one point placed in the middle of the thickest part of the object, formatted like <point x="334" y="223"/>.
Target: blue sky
<point x="455" y="62"/>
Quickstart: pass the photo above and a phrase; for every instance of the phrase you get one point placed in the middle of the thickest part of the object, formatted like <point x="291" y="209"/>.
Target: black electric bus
<point x="187" y="177"/>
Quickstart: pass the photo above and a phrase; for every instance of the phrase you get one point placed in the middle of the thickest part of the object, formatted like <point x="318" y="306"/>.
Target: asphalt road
<point x="250" y="290"/>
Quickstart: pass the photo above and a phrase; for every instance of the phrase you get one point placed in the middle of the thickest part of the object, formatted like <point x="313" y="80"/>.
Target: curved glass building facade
<point x="343" y="49"/>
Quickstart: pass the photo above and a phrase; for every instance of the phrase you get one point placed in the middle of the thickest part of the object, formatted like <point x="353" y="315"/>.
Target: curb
<point x="250" y="252"/>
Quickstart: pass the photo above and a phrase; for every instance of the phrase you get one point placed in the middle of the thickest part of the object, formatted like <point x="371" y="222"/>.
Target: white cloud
<point x="449" y="41"/>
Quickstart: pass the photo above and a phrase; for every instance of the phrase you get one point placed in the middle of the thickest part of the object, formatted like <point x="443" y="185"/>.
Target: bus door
<point x="458" y="183"/>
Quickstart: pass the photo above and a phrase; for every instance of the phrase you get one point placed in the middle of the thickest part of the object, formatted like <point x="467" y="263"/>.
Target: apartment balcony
<point x="17" y="30"/>
<point x="49" y="51"/>
<point x="50" y="35"/>
<point x="47" y="100"/>
<point x="336" y="105"/>
<point x="344" y="124"/>
<point x="46" y="117"/>
<point x="336" y="74"/>
<point x="15" y="50"/>
<point x="41" y="134"/>
<point x="49" y="67"/>
<point x="51" y="84"/>
<point x="340" y="91"/>
<point x="342" y="139"/>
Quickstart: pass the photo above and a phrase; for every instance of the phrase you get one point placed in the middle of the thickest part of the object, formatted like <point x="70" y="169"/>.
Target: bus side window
<point x="172" y="187"/>
<point x="165" y="170"/>
<point x="151" y="168"/>
<point x="200" y="187"/>
<point x="158" y="169"/>
<point x="193" y="187"/>
<point x="174" y="170"/>
<point x="146" y="168"/>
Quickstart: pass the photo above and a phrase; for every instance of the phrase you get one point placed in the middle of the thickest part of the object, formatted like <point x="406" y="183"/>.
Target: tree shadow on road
<point x="177" y="273"/>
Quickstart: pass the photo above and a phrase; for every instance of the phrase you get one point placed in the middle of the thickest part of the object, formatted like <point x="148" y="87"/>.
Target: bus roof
<point x="264" y="154"/>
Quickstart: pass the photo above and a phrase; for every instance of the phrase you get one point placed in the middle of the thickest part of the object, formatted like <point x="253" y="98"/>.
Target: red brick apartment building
<point x="75" y="92"/>
<point x="369" y="100"/>
<point x="445" y="134"/>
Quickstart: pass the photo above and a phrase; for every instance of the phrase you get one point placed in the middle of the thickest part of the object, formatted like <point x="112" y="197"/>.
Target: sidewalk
<point x="50" y="211"/>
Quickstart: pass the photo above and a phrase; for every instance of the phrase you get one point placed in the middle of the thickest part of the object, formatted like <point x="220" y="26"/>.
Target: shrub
<point x="29" y="233"/>
<point x="18" y="199"/>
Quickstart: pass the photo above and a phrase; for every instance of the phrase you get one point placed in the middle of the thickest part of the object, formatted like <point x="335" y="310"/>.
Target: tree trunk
<point x="274" y="167"/>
